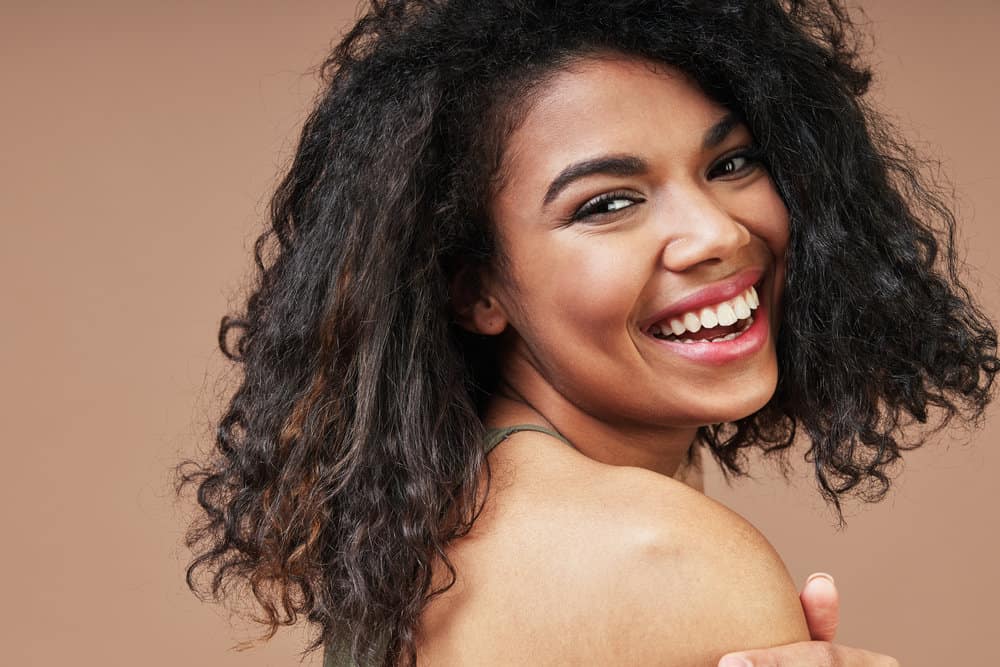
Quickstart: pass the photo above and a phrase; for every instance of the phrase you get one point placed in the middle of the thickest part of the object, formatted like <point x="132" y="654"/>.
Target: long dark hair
<point x="350" y="455"/>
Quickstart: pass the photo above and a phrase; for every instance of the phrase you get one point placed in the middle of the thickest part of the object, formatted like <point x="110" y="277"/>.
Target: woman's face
<point x="632" y="208"/>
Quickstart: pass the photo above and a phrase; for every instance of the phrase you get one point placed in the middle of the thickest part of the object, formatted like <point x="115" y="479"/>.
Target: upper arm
<point x="697" y="582"/>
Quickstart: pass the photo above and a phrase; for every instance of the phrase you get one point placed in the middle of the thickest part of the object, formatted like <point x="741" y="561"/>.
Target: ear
<point x="476" y="305"/>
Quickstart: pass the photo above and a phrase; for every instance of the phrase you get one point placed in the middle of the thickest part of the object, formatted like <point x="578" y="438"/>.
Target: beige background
<point x="139" y="142"/>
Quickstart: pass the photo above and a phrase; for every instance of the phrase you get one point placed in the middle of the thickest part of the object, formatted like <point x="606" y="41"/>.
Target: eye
<point x="743" y="162"/>
<point x="606" y="204"/>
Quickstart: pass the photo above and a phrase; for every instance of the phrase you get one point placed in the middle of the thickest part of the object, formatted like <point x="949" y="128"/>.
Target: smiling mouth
<point x="716" y="323"/>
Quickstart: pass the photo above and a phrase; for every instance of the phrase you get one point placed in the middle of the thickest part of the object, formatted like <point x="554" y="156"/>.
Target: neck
<point x="525" y="397"/>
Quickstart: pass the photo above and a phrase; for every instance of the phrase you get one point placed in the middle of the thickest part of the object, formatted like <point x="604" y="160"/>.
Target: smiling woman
<point x="530" y="259"/>
<point x="697" y="225"/>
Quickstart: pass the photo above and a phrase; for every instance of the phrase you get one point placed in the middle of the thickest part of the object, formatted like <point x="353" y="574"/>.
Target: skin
<point x="613" y="535"/>
<point x="585" y="290"/>
<point x="821" y="604"/>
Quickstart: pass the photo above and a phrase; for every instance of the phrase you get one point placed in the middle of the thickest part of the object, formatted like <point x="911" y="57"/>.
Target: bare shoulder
<point x="707" y="580"/>
<point x="574" y="561"/>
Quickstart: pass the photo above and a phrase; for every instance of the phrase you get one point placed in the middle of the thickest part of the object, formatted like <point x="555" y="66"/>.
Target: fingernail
<point x="821" y="575"/>
<point x="735" y="661"/>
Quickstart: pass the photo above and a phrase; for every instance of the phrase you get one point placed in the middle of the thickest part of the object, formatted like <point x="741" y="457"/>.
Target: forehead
<point x="606" y="104"/>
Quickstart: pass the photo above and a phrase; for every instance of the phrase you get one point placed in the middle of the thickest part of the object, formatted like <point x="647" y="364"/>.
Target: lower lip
<point x="743" y="346"/>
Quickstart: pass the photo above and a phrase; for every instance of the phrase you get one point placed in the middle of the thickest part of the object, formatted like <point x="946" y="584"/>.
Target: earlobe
<point x="487" y="317"/>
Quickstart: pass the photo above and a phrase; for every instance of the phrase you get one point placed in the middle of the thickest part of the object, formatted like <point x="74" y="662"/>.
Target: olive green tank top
<point x="493" y="438"/>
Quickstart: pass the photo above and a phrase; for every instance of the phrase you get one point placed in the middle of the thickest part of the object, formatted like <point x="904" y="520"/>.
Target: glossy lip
<point x="709" y="296"/>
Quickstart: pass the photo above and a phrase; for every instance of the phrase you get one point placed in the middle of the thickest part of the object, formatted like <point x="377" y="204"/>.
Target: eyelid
<point x="582" y="212"/>
<point x="753" y="154"/>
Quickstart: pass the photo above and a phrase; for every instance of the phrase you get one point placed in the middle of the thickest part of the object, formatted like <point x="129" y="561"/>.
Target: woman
<point x="530" y="258"/>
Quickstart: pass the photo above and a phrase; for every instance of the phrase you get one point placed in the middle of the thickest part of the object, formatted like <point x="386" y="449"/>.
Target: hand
<point x="821" y="604"/>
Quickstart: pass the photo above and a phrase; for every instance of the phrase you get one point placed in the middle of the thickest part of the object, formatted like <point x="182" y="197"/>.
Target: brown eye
<point x="734" y="164"/>
<point x="737" y="164"/>
<point x="606" y="204"/>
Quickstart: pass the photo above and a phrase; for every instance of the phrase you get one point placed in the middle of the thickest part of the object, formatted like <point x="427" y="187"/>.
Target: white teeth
<point x="741" y="308"/>
<point x="726" y="315"/>
<point x="720" y="339"/>
<point x="708" y="318"/>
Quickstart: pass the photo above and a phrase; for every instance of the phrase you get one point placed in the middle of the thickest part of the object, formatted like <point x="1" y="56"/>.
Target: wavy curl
<point x="349" y="456"/>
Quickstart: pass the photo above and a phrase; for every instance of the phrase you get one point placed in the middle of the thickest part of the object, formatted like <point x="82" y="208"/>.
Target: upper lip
<point x="718" y="292"/>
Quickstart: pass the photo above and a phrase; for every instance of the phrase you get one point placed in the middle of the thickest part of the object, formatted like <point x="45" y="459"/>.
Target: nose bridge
<point x="699" y="229"/>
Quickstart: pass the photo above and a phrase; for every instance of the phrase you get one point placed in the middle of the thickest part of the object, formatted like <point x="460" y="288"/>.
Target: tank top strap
<point x="495" y="436"/>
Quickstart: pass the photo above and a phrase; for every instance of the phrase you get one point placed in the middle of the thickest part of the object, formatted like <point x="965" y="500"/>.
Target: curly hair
<point x="350" y="454"/>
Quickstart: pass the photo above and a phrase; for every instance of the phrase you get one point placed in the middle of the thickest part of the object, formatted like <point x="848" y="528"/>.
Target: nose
<point x="700" y="230"/>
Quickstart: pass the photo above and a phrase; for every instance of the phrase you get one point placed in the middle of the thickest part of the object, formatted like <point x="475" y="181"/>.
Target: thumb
<point x="821" y="605"/>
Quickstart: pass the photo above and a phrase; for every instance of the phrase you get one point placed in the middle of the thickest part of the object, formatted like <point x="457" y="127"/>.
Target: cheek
<point x="770" y="218"/>
<point x="594" y="283"/>
<point x="599" y="283"/>
<point x="774" y="229"/>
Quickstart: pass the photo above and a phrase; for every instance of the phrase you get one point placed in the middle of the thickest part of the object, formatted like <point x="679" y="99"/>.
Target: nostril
<point x="716" y="239"/>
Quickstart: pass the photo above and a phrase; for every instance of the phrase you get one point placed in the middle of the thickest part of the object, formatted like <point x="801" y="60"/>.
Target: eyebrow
<point x="625" y="165"/>
<point x="630" y="165"/>
<point x="718" y="132"/>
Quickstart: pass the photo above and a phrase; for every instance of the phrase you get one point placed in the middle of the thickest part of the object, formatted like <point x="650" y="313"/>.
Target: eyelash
<point x="588" y="209"/>
<point x="751" y="154"/>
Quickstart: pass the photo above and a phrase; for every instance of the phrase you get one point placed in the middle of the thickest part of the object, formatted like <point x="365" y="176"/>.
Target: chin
<point x="732" y="407"/>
